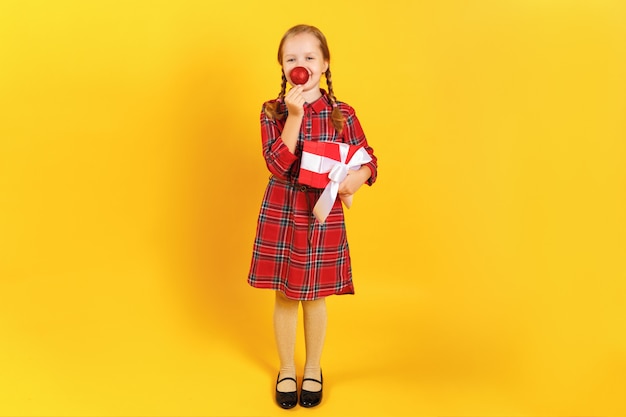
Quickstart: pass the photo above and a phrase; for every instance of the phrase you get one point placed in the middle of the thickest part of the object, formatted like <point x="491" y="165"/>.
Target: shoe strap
<point x="312" y="379"/>
<point x="287" y="379"/>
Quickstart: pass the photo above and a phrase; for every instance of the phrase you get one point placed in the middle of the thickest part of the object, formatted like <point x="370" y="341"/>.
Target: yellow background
<point x="489" y="259"/>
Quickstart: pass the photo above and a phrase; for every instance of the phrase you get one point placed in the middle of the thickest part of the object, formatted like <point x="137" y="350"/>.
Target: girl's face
<point x="303" y="50"/>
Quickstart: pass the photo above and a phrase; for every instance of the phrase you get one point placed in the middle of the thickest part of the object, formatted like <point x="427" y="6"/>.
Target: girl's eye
<point x="310" y="58"/>
<point x="290" y="60"/>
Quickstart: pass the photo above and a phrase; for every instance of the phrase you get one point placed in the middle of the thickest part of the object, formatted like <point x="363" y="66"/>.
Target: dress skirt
<point x="293" y="252"/>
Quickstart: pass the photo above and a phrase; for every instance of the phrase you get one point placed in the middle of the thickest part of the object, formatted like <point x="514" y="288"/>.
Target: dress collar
<point x="321" y="103"/>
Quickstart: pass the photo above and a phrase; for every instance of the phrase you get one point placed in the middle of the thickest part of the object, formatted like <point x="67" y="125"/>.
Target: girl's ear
<point x="325" y="66"/>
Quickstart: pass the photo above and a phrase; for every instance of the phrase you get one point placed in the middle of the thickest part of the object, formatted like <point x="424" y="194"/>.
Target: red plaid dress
<point x="293" y="252"/>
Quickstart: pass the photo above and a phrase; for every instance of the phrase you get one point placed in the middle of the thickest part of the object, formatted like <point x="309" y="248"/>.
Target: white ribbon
<point x="337" y="172"/>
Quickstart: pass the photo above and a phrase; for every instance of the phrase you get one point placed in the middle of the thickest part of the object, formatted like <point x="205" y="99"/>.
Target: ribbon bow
<point x="337" y="171"/>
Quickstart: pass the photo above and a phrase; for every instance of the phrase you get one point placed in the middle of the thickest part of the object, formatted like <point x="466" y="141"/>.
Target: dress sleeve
<point x="278" y="157"/>
<point x="354" y="135"/>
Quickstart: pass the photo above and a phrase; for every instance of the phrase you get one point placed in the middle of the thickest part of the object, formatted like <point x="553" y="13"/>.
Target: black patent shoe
<point x="286" y="400"/>
<point x="310" y="399"/>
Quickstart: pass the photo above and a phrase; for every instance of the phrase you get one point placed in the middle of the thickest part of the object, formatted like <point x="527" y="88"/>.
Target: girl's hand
<point x="354" y="180"/>
<point x="295" y="101"/>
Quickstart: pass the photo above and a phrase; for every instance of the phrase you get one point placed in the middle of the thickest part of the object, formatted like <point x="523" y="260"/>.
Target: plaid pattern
<point x="292" y="252"/>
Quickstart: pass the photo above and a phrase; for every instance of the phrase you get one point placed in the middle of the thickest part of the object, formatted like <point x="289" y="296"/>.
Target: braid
<point x="283" y="87"/>
<point x="271" y="109"/>
<point x="336" y="116"/>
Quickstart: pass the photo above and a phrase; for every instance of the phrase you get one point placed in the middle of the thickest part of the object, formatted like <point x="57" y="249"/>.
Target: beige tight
<point x="285" y="324"/>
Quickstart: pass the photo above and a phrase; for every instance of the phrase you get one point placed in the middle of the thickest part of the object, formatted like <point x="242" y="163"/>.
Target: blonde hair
<point x="272" y="109"/>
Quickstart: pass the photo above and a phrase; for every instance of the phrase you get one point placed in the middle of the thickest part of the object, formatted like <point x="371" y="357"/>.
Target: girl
<point x="302" y="260"/>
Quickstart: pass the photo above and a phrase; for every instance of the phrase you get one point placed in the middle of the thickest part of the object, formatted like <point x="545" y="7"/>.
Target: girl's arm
<point x="280" y="138"/>
<point x="354" y="180"/>
<point x="295" y="107"/>
<point x="353" y="134"/>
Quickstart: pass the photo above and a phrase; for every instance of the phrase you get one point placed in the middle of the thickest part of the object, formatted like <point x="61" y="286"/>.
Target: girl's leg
<point x="315" y="320"/>
<point x="285" y="322"/>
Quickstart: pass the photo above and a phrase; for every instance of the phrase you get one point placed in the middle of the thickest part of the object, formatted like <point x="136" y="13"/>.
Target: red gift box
<point x="319" y="158"/>
<point x="325" y="165"/>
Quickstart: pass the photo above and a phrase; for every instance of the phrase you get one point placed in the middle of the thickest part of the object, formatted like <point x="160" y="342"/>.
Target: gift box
<point x="325" y="165"/>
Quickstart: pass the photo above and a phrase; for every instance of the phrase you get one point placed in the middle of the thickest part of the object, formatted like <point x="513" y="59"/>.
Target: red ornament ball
<point x="299" y="75"/>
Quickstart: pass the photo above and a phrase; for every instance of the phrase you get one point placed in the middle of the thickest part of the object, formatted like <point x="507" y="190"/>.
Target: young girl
<point x="302" y="260"/>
